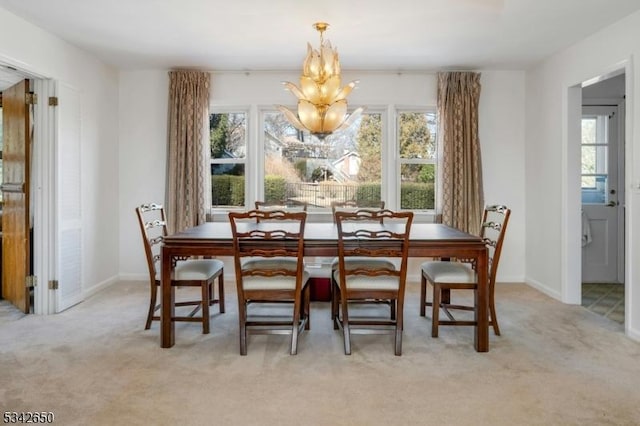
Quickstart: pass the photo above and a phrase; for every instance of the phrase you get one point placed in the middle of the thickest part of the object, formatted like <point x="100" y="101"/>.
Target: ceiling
<point x="398" y="35"/>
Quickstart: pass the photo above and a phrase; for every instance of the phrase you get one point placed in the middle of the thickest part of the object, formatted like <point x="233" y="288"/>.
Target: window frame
<point x="248" y="150"/>
<point x="399" y="161"/>
<point x="390" y="151"/>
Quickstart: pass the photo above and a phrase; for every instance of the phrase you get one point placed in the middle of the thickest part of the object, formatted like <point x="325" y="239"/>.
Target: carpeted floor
<point x="94" y="364"/>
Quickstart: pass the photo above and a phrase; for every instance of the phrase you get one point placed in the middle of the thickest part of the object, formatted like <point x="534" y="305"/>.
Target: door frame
<point x="571" y="219"/>
<point x="43" y="166"/>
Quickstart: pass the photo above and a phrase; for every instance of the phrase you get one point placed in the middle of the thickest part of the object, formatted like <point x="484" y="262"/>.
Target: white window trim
<point x="390" y="162"/>
<point x="394" y="156"/>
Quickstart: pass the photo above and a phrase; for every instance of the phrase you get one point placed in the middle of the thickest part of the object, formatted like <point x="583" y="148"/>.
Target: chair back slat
<point x="494" y="226"/>
<point x="268" y="234"/>
<point x="153" y="226"/>
<point x="363" y="233"/>
<point x="353" y="205"/>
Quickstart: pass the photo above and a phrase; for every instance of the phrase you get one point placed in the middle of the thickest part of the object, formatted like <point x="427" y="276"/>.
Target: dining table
<point x="321" y="239"/>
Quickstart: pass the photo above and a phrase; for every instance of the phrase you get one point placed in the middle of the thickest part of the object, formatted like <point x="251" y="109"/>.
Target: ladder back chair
<point x="461" y="275"/>
<point x="268" y="260"/>
<point x="371" y="234"/>
<point x="187" y="272"/>
<point x="354" y="206"/>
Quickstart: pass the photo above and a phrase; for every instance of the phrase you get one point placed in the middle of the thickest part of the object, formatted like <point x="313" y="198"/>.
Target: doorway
<point x="602" y="190"/>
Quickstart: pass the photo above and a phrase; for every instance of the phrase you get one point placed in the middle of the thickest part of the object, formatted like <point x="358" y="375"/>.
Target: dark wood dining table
<point x="321" y="239"/>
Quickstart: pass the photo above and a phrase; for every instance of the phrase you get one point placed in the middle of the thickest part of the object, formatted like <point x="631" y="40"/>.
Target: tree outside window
<point x="299" y="167"/>
<point x="416" y="135"/>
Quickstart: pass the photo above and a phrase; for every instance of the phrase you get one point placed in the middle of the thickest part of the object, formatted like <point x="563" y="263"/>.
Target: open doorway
<point x="603" y="196"/>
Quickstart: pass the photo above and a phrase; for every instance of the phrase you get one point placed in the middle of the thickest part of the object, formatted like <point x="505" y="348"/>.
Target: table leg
<point x="481" y="295"/>
<point x="167" y="326"/>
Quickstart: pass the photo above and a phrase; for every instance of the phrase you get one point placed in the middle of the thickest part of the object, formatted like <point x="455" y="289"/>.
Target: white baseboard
<point x="88" y="292"/>
<point x="544" y="289"/>
<point x="633" y="334"/>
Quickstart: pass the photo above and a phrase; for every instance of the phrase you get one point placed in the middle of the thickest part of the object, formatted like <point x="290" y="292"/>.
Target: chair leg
<point x="494" y="318"/>
<point x="152" y="305"/>
<point x="334" y="310"/>
<point x="242" y="319"/>
<point x="221" y="292"/>
<point x="206" y="288"/>
<point x="423" y="295"/>
<point x="435" y="316"/>
<point x="345" y="327"/>
<point x="335" y="306"/>
<point x="295" y="327"/>
<point x="399" y="326"/>
<point x="392" y="308"/>
<point x="306" y="307"/>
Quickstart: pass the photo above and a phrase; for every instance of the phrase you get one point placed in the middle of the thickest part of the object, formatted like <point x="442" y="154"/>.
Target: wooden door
<point x="15" y="192"/>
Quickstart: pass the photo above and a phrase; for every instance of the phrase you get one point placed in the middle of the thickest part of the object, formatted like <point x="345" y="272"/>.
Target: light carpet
<point x="94" y="364"/>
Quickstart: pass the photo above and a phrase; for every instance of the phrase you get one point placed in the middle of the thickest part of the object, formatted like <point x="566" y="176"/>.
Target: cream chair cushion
<point x="364" y="261"/>
<point x="272" y="283"/>
<point x="449" y="272"/>
<point x="195" y="269"/>
<point x="271" y="262"/>
<point x="361" y="282"/>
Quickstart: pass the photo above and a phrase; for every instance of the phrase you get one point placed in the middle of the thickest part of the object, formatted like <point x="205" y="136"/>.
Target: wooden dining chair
<point x="187" y="273"/>
<point x="268" y="260"/>
<point x="354" y="206"/>
<point x="361" y="234"/>
<point x="461" y="275"/>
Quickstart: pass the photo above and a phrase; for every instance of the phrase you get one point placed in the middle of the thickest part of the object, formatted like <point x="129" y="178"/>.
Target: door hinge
<point x="31" y="281"/>
<point x="53" y="285"/>
<point x="31" y="99"/>
<point x="53" y="101"/>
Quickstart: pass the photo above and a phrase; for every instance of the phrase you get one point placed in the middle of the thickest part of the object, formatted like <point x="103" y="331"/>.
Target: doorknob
<point x="611" y="204"/>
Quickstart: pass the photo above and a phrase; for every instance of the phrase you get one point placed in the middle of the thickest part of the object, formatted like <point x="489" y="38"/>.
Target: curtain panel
<point x="461" y="191"/>
<point x="188" y="175"/>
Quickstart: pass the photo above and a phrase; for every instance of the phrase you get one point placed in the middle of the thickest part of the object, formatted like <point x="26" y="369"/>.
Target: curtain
<point x="461" y="193"/>
<point x="188" y="175"/>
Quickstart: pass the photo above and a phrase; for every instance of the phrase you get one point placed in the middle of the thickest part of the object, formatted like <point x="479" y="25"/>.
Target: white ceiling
<point x="398" y="35"/>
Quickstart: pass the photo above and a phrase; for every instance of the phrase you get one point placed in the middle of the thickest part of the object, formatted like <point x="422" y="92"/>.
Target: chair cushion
<point x="449" y="272"/>
<point x="364" y="282"/>
<point x="364" y="261"/>
<point x="197" y="269"/>
<point x="270" y="262"/>
<point x="273" y="283"/>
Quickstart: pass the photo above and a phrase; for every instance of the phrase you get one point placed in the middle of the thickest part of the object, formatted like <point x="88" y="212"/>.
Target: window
<point x="299" y="167"/>
<point x="416" y="136"/>
<point x="228" y="140"/>
<point x="595" y="150"/>
<point x="367" y="162"/>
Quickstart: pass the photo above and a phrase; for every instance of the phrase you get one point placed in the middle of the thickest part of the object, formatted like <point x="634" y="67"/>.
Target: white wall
<point x="552" y="202"/>
<point x="143" y="111"/>
<point x="27" y="47"/>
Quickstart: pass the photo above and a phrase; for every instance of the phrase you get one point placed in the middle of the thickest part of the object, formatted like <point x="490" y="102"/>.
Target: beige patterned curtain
<point x="188" y="176"/>
<point x="461" y="194"/>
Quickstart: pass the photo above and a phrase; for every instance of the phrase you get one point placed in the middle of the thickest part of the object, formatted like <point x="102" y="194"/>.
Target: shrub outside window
<point x="228" y="142"/>
<point x="416" y="136"/>
<point x="300" y="168"/>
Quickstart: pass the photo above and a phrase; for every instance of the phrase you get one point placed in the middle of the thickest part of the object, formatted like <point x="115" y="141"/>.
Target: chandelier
<point x="322" y="103"/>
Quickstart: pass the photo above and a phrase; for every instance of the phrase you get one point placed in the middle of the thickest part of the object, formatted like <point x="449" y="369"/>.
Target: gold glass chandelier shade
<point x="322" y="105"/>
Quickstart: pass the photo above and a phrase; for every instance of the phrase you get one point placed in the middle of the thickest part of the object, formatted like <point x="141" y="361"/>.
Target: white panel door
<point x="600" y="194"/>
<point x="68" y="191"/>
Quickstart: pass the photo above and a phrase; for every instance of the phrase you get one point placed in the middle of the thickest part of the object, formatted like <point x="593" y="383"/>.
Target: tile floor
<point x="605" y="299"/>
